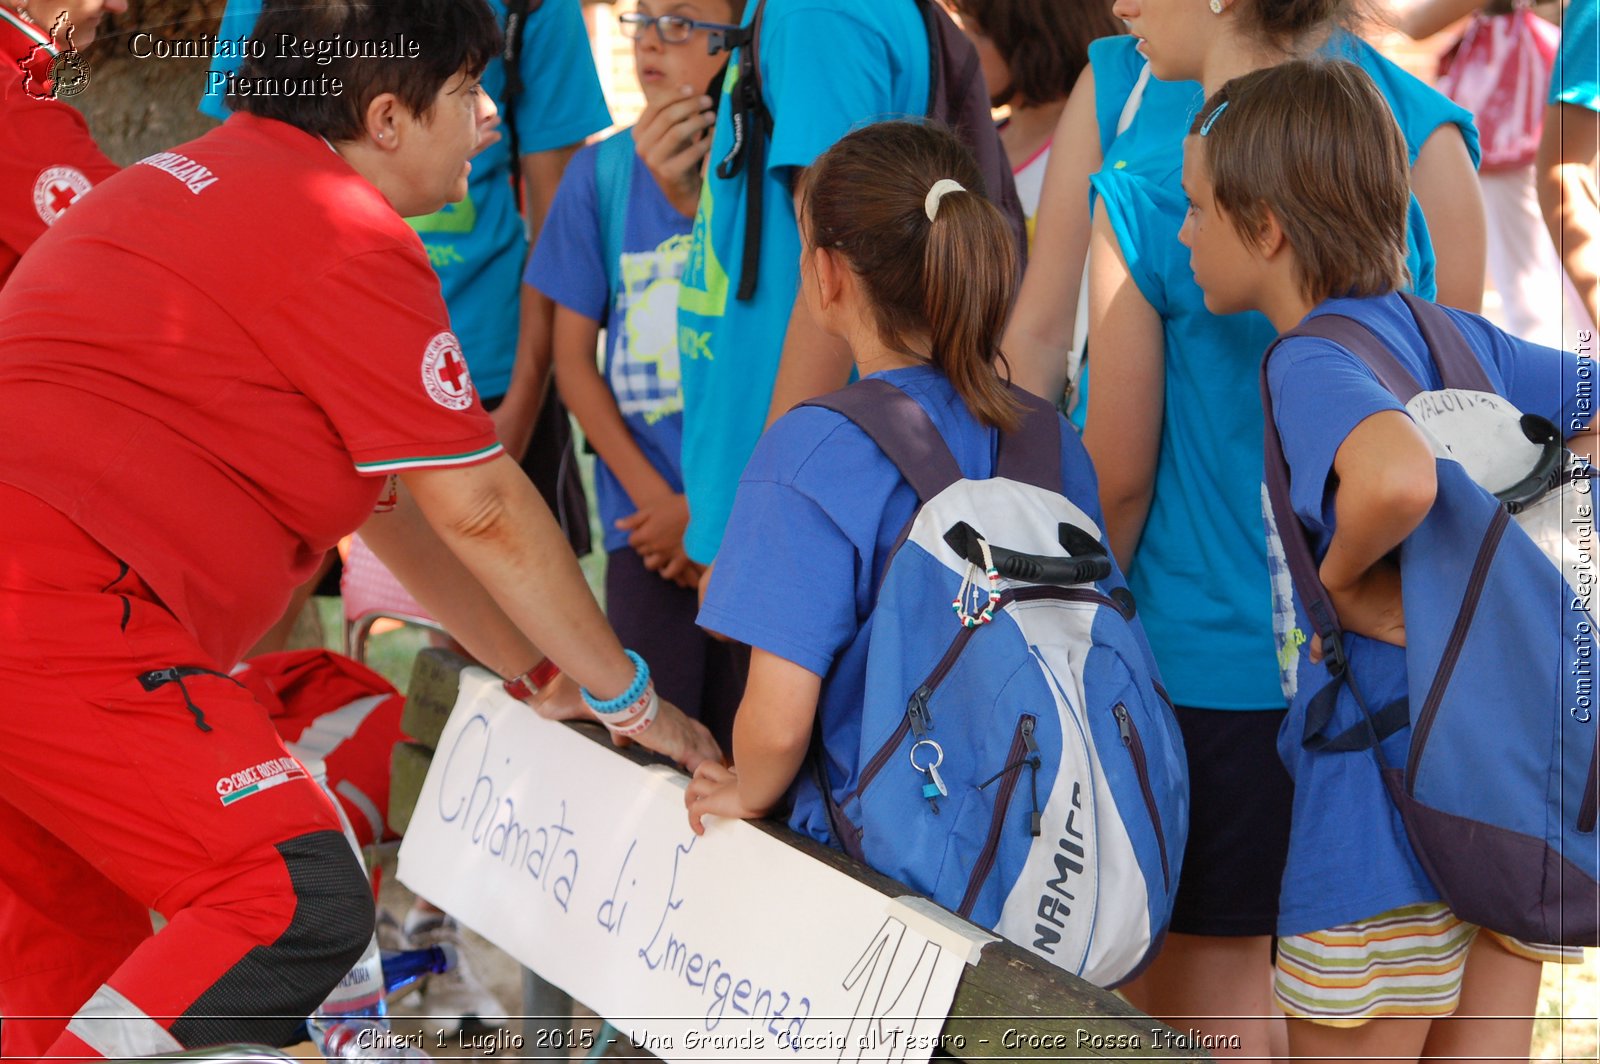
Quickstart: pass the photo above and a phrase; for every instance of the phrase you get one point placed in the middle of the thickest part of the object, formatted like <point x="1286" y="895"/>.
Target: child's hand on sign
<point x="715" y="791"/>
<point x="673" y="137"/>
<point x="1371" y="607"/>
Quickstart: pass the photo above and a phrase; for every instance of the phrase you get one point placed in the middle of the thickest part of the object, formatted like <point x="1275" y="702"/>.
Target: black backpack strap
<point x="901" y="429"/>
<point x="1458" y="366"/>
<point x="752" y="130"/>
<point x="1032" y="454"/>
<point x="517" y="13"/>
<point x="1303" y="573"/>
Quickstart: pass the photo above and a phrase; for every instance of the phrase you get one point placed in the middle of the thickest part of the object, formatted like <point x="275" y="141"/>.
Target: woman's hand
<point x="715" y="790"/>
<point x="673" y="138"/>
<point x="1370" y="606"/>
<point x="673" y="734"/>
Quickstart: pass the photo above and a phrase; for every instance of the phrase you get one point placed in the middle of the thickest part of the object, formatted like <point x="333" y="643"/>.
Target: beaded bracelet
<point x="635" y="691"/>
<point x="526" y="686"/>
<point x="959" y="604"/>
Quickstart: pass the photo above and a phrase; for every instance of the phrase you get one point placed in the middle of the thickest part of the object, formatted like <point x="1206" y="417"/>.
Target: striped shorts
<point x="1405" y="962"/>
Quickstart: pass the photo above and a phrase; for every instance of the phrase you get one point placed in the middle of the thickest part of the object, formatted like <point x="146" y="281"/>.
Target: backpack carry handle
<point x="1087" y="561"/>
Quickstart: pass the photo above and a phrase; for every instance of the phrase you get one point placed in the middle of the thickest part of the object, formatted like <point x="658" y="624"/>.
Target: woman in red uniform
<point x="210" y="370"/>
<point x="47" y="158"/>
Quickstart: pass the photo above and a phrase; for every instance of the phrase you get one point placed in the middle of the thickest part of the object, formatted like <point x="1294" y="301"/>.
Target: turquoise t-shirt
<point x="1200" y="572"/>
<point x="876" y="67"/>
<point x="1576" y="78"/>
<point x="478" y="246"/>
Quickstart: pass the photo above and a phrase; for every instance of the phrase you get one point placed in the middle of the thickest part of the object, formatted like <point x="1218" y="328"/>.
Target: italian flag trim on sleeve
<point x="394" y="465"/>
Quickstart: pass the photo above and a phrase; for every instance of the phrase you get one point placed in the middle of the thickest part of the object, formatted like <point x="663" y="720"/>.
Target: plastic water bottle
<point x="351" y="1023"/>
<point x="402" y="968"/>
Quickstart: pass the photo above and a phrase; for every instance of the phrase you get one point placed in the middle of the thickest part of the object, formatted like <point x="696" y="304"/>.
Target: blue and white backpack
<point x="1498" y="792"/>
<point x="1019" y="762"/>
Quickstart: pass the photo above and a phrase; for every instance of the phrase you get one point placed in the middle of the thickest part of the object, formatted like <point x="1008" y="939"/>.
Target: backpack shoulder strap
<point x="613" y="186"/>
<point x="1361" y="342"/>
<point x="1032" y="454"/>
<point x="1458" y="366"/>
<point x="752" y="128"/>
<point x="517" y="14"/>
<point x="901" y="429"/>
<point x="1304" y="575"/>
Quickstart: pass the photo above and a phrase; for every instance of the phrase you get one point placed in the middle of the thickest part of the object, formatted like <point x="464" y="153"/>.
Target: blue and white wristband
<point x="633" y="710"/>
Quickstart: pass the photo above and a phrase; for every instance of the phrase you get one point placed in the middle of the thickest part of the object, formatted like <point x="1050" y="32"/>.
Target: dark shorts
<point x="1240" y="801"/>
<point x="655" y="618"/>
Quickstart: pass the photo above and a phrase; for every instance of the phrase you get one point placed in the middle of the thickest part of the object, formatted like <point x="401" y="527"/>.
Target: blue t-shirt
<point x="478" y="246"/>
<point x="877" y="67"/>
<point x="1200" y="571"/>
<point x="818" y="513"/>
<point x="1576" y="78"/>
<point x="1348" y="854"/>
<point x="640" y="319"/>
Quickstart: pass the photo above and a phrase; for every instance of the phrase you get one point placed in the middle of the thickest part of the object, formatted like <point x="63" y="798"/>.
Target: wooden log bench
<point x="1009" y="1005"/>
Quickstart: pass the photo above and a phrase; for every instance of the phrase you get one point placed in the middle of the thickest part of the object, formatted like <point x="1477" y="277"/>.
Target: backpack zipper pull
<point x="1124" y="726"/>
<point x="917" y="712"/>
<point x="1035" y="825"/>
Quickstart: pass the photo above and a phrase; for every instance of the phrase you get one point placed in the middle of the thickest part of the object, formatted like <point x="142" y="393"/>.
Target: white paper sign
<point x="730" y="946"/>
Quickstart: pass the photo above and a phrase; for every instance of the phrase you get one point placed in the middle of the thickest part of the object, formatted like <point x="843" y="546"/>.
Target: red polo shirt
<point x="210" y="364"/>
<point x="47" y="158"/>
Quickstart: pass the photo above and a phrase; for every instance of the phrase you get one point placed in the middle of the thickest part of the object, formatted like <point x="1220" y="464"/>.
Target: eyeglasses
<point x="672" y="29"/>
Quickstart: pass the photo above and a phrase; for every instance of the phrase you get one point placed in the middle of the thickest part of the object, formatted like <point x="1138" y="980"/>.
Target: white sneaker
<point x="456" y="1000"/>
<point x="391" y="936"/>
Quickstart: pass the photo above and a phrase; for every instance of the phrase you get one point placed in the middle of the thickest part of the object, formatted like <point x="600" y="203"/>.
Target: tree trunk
<point x="136" y="107"/>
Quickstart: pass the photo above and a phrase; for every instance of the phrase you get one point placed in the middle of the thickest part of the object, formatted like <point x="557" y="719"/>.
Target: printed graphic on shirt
<point x="705" y="282"/>
<point x="57" y="188"/>
<point x="451" y="218"/>
<point x="644" y="369"/>
<point x="444" y="373"/>
<point x="1286" y="632"/>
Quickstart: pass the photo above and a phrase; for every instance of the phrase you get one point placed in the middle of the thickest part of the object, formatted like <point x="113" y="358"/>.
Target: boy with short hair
<point x="1298" y="189"/>
<point x="632" y="200"/>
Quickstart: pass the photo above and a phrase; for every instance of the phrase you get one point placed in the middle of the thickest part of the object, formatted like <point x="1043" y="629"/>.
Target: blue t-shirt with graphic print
<point x="1576" y="77"/>
<point x="1348" y="854"/>
<point x="477" y="246"/>
<point x="1200" y="570"/>
<point x="640" y="318"/>
<point x="827" y="66"/>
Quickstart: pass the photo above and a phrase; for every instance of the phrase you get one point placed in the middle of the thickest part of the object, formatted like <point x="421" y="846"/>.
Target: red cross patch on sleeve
<point x="444" y="373"/>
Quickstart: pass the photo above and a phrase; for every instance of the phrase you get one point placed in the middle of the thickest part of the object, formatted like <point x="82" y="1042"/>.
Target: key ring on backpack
<point x="969" y="580"/>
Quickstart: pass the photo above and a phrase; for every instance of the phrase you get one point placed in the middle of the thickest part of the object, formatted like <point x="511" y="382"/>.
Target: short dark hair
<point x="450" y="37"/>
<point x="1313" y="141"/>
<point x="1045" y="43"/>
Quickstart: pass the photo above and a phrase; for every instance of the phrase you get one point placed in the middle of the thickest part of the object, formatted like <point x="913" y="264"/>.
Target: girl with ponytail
<point x="906" y="261"/>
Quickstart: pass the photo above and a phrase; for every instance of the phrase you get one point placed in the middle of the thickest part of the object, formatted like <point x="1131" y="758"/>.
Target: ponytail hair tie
<point x="939" y="191"/>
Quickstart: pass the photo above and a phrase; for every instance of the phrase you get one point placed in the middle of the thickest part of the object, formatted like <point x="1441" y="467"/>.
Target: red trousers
<point x="137" y="777"/>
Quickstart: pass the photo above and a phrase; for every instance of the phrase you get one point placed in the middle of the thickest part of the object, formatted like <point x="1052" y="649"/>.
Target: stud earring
<point x="1216" y="7"/>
